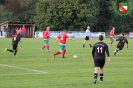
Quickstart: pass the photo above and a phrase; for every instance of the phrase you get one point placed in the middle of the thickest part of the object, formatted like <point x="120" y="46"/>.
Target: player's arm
<point x="93" y="52"/>
<point x="107" y="52"/>
<point x="127" y="42"/>
<point x="49" y="35"/>
<point x="70" y="38"/>
<point x="57" y="40"/>
<point x="116" y="39"/>
<point x="43" y="34"/>
<point x="18" y="39"/>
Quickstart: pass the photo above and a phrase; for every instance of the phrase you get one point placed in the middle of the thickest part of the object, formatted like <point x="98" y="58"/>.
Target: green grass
<point x="23" y="71"/>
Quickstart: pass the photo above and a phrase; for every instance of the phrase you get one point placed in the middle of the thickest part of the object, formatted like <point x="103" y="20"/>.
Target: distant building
<point x="7" y="28"/>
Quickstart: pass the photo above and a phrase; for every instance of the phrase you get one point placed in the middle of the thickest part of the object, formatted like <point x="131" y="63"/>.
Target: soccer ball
<point x="75" y="56"/>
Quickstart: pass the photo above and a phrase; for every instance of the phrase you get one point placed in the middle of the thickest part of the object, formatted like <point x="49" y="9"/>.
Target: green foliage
<point x="103" y="15"/>
<point x="5" y="15"/>
<point x="64" y="14"/>
<point x="21" y="10"/>
<point x="68" y="14"/>
<point x="122" y="23"/>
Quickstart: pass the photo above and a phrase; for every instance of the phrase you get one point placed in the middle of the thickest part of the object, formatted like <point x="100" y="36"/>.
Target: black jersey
<point x="99" y="49"/>
<point x="15" y="39"/>
<point x="122" y="41"/>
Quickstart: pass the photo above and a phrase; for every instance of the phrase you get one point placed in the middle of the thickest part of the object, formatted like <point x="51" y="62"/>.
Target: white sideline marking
<point x="19" y="74"/>
<point x="33" y="70"/>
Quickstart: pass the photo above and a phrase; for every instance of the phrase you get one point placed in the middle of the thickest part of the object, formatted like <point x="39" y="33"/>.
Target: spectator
<point x="23" y="31"/>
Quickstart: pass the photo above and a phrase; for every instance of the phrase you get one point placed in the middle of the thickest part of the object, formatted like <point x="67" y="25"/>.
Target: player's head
<point x="64" y="31"/>
<point x="18" y="32"/>
<point x="48" y="28"/>
<point x="101" y="37"/>
<point x="88" y="27"/>
<point x="113" y="28"/>
<point x="122" y="34"/>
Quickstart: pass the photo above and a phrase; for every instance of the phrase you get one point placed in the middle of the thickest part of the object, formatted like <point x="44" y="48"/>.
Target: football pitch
<point x="32" y="68"/>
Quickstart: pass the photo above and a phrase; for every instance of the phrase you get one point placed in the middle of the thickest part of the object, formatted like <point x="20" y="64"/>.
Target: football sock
<point x="15" y="52"/>
<point x="43" y="47"/>
<point x="95" y="76"/>
<point x="48" y="47"/>
<point x="9" y="50"/>
<point x="111" y="42"/>
<point x="63" y="53"/>
<point x="57" y="53"/>
<point x="101" y="77"/>
<point x="90" y="45"/>
<point x="83" y="45"/>
<point x="116" y="50"/>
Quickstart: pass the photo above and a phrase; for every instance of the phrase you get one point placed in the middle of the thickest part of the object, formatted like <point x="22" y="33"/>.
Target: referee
<point x="98" y="53"/>
<point x="87" y="36"/>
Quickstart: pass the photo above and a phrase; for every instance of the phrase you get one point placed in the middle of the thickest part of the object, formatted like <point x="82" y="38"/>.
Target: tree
<point x="23" y="10"/>
<point x="103" y="15"/>
<point x="5" y="15"/>
<point x="64" y="14"/>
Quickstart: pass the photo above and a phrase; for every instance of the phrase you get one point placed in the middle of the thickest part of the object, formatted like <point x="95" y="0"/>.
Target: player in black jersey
<point x="15" y="41"/>
<point x="98" y="53"/>
<point x="121" y="43"/>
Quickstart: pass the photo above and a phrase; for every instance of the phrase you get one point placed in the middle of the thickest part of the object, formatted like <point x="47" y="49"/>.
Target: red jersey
<point x="16" y="30"/>
<point x="46" y="35"/>
<point x="112" y="33"/>
<point x="23" y="29"/>
<point x="63" y="38"/>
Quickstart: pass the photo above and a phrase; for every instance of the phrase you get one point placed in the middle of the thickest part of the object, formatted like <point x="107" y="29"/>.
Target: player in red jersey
<point x="16" y="30"/>
<point x="46" y="36"/>
<point x="62" y="37"/>
<point x="112" y="33"/>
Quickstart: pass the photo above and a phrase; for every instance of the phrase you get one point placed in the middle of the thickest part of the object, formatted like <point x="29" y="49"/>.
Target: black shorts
<point x="14" y="47"/>
<point x="87" y="38"/>
<point x="120" y="46"/>
<point x="99" y="62"/>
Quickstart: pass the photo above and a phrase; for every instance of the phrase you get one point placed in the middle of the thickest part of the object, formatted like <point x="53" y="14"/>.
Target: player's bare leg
<point x="89" y="43"/>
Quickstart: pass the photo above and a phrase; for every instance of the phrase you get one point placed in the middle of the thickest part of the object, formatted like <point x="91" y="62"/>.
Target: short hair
<point x="64" y="31"/>
<point x="122" y="34"/>
<point x="88" y="27"/>
<point x="101" y="37"/>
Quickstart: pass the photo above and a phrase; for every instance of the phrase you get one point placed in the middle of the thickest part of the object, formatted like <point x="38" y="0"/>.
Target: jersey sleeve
<point x="118" y="39"/>
<point x="107" y="51"/>
<point x="67" y="37"/>
<point x="59" y="37"/>
<point x="18" y="38"/>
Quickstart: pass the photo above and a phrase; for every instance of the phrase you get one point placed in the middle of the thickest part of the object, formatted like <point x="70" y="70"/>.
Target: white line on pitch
<point x="33" y="70"/>
<point x="19" y="74"/>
